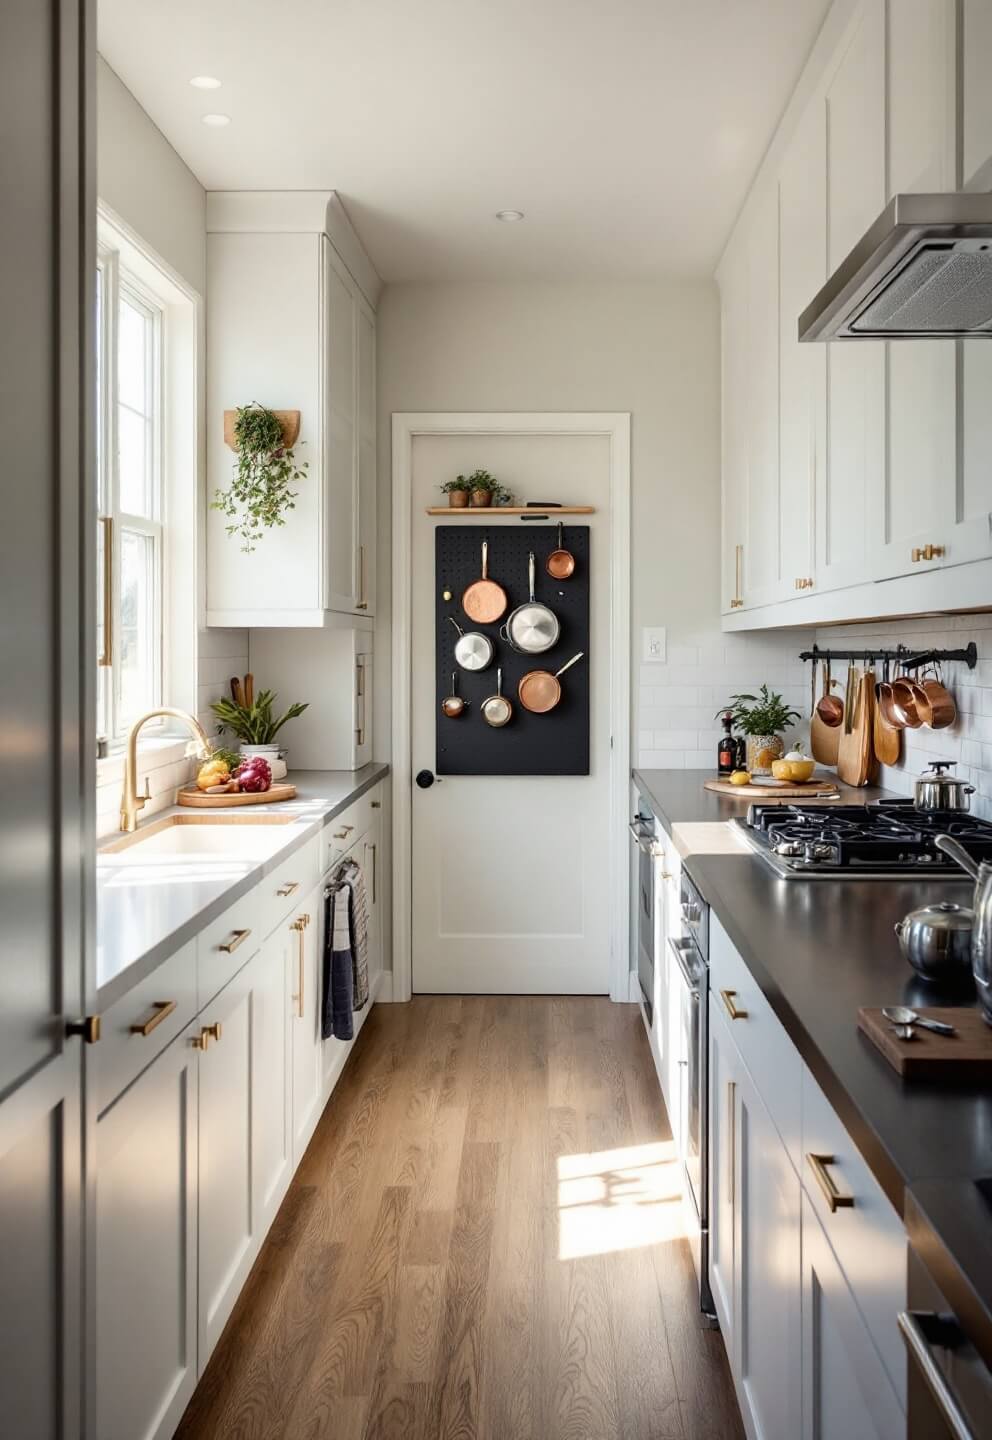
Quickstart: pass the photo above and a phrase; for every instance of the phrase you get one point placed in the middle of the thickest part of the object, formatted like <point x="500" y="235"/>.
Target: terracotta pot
<point x="481" y="498"/>
<point x="761" y="751"/>
<point x="458" y="499"/>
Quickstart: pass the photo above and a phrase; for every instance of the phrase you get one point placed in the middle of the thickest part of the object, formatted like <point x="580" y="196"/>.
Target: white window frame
<point x="117" y="281"/>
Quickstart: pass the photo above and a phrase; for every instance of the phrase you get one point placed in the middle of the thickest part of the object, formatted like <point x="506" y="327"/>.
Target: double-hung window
<point x="130" y="326"/>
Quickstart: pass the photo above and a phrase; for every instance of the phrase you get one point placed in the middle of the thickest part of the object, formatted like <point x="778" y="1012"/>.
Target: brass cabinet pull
<point x="363" y="603"/>
<point x="238" y="937"/>
<point x="728" y="997"/>
<point x="201" y="1041"/>
<point x="214" y="1030"/>
<point x="731" y="1140"/>
<point x="88" y="1028"/>
<point x="290" y="888"/>
<point x="107" y="658"/>
<point x="737" y="601"/>
<point x="835" y="1200"/>
<point x="343" y="833"/>
<point x="299" y="925"/>
<point x="163" y="1009"/>
<point x="927" y="552"/>
<point x="805" y="583"/>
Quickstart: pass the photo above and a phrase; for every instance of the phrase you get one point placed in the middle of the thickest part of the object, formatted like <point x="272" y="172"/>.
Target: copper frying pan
<point x="539" y="691"/>
<point x="484" y="601"/>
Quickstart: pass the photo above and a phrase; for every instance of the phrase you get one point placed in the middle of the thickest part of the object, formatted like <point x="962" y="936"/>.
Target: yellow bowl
<point x="801" y="769"/>
<point x="782" y="769"/>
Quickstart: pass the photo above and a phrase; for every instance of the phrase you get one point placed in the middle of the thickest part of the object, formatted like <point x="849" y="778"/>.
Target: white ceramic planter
<point x="274" y="754"/>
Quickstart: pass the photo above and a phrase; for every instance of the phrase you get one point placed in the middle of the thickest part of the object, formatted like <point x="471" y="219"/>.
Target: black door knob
<point x="425" y="779"/>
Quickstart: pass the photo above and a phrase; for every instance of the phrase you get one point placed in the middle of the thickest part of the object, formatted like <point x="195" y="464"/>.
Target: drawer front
<point x="140" y="1025"/>
<point x="281" y="892"/>
<point x="226" y="944"/>
<point x="866" y="1234"/>
<point x="763" y="1044"/>
<point x="342" y="832"/>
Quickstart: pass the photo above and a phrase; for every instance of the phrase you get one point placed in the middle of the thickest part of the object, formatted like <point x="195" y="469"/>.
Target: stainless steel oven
<point x="642" y="828"/>
<point x="949" y="1386"/>
<point x="691" y="997"/>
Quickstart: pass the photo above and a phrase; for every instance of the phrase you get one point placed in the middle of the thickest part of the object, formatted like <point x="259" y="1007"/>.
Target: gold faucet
<point x="131" y="801"/>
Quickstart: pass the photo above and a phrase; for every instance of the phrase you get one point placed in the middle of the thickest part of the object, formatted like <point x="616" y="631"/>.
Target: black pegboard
<point x="552" y="744"/>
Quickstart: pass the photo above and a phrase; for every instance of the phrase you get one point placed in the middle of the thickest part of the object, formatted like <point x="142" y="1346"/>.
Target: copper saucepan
<point x="940" y="706"/>
<point x="830" y="708"/>
<point x="910" y="705"/>
<point x="453" y="705"/>
<point x="497" y="710"/>
<point x="539" y="691"/>
<point x="560" y="564"/>
<point x="484" y="601"/>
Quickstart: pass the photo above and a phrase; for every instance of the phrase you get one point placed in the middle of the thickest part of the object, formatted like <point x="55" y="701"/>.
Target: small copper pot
<point x="940" y="703"/>
<point x="458" y="499"/>
<point x="481" y="498"/>
<point x="560" y="564"/>
<point x="910" y="705"/>
<point x="453" y="705"/>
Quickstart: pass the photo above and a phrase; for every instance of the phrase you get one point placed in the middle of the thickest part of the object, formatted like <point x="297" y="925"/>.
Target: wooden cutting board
<point x="824" y="740"/>
<point x="819" y="785"/>
<point x="855" y="755"/>
<point x="964" y="1056"/>
<point x="190" y="795"/>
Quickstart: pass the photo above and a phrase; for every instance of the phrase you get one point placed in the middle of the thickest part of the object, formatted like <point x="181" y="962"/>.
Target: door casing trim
<point x="615" y="425"/>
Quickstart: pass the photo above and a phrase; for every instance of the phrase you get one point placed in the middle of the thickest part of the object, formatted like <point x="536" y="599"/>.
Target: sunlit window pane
<point x="132" y="356"/>
<point x="133" y="458"/>
<point x="102" y="719"/>
<point x="136" y="627"/>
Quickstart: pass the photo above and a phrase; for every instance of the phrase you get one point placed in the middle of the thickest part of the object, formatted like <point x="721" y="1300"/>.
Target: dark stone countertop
<point x="819" y="950"/>
<point x="677" y="797"/>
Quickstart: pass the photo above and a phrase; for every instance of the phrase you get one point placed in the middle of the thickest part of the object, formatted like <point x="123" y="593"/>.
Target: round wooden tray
<point x="190" y="795"/>
<point x="787" y="789"/>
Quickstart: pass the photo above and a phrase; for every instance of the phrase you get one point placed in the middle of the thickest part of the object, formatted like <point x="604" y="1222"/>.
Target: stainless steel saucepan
<point x="473" y="650"/>
<point x="531" y="628"/>
<point x="497" y="710"/>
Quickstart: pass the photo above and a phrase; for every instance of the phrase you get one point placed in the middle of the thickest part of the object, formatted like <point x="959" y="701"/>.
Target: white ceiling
<point x="627" y="130"/>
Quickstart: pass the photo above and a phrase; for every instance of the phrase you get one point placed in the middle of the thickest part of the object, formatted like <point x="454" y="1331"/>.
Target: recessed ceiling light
<point x="510" y="216"/>
<point x="205" y="82"/>
<point x="216" y="119"/>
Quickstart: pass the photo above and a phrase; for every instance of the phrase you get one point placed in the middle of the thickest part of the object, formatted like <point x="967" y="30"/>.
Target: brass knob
<point x="212" y="1030"/>
<point x="927" y="552"/>
<point x="199" y="1042"/>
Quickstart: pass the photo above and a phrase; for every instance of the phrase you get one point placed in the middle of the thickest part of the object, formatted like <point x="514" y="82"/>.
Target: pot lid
<point x="942" y="916"/>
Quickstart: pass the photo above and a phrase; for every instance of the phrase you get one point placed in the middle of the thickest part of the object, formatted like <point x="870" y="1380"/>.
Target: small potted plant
<point x="265" y="470"/>
<point x="457" y="491"/>
<point x="254" y="728"/>
<point x="486" y="490"/>
<point x="763" y="718"/>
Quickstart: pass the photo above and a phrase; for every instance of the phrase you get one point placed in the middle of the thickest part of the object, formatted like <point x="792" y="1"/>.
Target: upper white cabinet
<point x="291" y="325"/>
<point x="849" y="464"/>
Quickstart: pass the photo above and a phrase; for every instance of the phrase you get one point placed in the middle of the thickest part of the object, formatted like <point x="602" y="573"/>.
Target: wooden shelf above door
<point x="482" y="512"/>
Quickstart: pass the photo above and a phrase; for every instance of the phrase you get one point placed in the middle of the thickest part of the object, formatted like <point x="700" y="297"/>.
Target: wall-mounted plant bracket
<point x="288" y="419"/>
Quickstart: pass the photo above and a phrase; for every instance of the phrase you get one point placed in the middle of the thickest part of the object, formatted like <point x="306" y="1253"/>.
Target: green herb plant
<point x="253" y="725"/>
<point x="460" y="484"/>
<point x="763" y="714"/>
<point x="265" y="469"/>
<point x="482" y="480"/>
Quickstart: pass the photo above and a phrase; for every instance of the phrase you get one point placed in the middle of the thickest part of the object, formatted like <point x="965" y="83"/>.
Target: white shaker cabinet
<point x="291" y="325"/>
<point x="733" y="423"/>
<point x="146" y="1238"/>
<point x="724" y="1066"/>
<point x="846" y="1391"/>
<point x="763" y="495"/>
<point x="976" y="100"/>
<point x="304" y="983"/>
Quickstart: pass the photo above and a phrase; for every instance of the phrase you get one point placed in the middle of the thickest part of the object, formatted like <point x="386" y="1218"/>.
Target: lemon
<point x="740" y="777"/>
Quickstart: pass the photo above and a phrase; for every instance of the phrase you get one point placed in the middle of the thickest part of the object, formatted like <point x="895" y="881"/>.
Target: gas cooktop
<point x="885" y="840"/>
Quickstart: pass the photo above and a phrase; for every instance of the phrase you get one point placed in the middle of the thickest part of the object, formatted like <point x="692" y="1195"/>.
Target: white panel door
<point x="510" y="875"/>
<point x="847" y="1394"/>
<point x="762" y="553"/>
<point x="767" y="1353"/>
<point x="914" y="504"/>
<point x="272" y="1146"/>
<point x="146" y="1162"/>
<point x="340" y="453"/>
<point x="855" y="106"/>
<point x="304" y="930"/>
<point x="802" y="220"/>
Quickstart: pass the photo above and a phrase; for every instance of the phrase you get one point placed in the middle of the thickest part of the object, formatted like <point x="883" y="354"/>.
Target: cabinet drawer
<point x="342" y="832"/>
<point x="283" y="890"/>
<point x="140" y="1025"/>
<point x="864" y="1231"/>
<point x="226" y="944"/>
<point x="763" y="1044"/>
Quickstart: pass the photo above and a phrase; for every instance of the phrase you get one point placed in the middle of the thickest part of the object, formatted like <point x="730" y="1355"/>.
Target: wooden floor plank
<point x="463" y="1253"/>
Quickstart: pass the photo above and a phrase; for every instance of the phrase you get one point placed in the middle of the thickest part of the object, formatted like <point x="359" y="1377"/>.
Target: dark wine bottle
<point x="728" y="749"/>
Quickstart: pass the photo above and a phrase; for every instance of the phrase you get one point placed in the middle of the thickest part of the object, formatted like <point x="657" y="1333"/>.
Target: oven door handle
<point x="680" y="949"/>
<point x="637" y="829"/>
<point x="912" y="1324"/>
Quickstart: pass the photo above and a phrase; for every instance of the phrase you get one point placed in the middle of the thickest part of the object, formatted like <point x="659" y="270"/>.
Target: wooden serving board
<point x="817" y="786"/>
<point x="190" y="795"/>
<point x="964" y="1056"/>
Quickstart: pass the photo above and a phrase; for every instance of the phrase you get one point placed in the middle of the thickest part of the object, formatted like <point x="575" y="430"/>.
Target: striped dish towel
<point x="345" y="960"/>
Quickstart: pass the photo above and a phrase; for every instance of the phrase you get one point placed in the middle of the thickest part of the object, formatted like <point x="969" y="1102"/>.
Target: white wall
<point x="652" y="348"/>
<point x="145" y="183"/>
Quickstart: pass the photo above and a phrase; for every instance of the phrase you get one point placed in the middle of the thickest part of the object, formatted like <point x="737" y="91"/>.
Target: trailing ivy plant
<point x="265" y="469"/>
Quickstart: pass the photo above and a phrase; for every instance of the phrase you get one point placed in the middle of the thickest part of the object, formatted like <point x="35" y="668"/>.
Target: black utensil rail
<point x="552" y="744"/>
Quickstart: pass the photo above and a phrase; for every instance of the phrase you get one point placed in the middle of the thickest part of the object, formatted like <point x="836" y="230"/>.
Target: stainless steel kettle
<point x="981" y="934"/>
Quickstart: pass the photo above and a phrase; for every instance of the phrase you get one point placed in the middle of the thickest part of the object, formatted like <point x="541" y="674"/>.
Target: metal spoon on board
<point x="904" y="1032"/>
<point x="902" y="1015"/>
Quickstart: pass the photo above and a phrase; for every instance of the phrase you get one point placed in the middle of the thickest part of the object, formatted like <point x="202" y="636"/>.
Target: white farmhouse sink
<point x="213" y="837"/>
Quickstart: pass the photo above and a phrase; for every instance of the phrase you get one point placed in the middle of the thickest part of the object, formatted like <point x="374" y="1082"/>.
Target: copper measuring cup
<point x="560" y="564"/>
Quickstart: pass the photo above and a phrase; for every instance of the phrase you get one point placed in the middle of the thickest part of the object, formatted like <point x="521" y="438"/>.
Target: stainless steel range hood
<point x="923" y="271"/>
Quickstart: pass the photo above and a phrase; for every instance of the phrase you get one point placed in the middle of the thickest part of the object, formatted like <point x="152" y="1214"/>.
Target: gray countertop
<point x="144" y="914"/>
<point x="819" y="950"/>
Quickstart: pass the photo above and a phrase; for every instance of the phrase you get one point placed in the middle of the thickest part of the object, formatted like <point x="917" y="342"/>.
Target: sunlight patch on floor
<point x="618" y="1200"/>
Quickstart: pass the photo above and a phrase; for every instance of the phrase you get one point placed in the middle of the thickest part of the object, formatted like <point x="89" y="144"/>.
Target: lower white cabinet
<point x="146" y="1238"/>
<point x="724" y="1067"/>
<point x="847" y="1394"/>
<point x="767" y="1218"/>
<point x="305" y="930"/>
<point x="272" y="1140"/>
